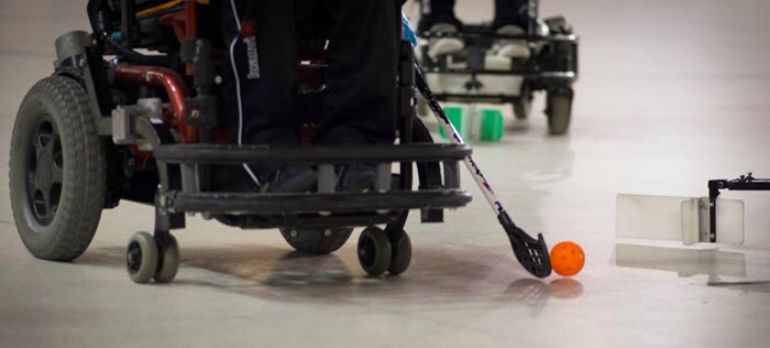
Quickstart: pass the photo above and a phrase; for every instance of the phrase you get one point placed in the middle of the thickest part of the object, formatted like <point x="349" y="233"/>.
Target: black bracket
<point x="743" y="183"/>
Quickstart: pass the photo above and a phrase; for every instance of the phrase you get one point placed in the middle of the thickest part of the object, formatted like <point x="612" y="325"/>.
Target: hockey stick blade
<point x="531" y="253"/>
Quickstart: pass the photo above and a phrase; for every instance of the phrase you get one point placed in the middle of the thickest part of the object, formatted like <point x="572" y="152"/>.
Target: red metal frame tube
<point x="171" y="82"/>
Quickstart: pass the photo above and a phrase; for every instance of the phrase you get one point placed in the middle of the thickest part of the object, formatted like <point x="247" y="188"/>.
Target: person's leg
<point x="259" y="84"/>
<point x="260" y="77"/>
<point x="515" y="12"/>
<point x="360" y="101"/>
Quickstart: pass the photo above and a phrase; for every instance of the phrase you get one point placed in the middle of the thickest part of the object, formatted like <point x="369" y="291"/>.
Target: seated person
<point x="260" y="83"/>
<point x="511" y="18"/>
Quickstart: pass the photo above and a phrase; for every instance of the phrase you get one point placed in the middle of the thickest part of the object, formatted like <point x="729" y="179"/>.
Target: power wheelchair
<point x="472" y="75"/>
<point x="132" y="112"/>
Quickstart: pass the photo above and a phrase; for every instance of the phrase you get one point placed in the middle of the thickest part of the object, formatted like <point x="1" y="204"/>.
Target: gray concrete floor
<point x="671" y="95"/>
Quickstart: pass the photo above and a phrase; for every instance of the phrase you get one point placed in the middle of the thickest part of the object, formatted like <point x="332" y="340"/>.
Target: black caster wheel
<point x="374" y="251"/>
<point x="521" y="109"/>
<point x="168" y="262"/>
<point x="523" y="105"/>
<point x="317" y="241"/>
<point x="559" y="111"/>
<point x="401" y="255"/>
<point x="142" y="257"/>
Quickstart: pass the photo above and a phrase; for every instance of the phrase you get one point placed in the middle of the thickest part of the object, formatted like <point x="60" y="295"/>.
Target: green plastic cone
<point x="491" y="125"/>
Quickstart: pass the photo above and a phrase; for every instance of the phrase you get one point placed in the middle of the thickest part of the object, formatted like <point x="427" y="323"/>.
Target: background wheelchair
<point x="549" y="62"/>
<point x="114" y="124"/>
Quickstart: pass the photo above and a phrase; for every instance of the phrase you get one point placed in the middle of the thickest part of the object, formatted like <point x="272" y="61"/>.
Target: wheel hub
<point x="367" y="252"/>
<point x="134" y="257"/>
<point x="45" y="171"/>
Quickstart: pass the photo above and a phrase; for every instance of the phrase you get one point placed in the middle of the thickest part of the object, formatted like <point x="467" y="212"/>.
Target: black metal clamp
<point x="743" y="183"/>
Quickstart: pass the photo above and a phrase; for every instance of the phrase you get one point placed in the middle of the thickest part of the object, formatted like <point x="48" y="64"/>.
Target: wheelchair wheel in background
<point x="317" y="241"/>
<point x="523" y="105"/>
<point x="559" y="110"/>
<point x="57" y="170"/>
<point x="521" y="109"/>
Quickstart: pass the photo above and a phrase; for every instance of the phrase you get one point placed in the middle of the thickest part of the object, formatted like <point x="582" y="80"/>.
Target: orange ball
<point x="567" y="258"/>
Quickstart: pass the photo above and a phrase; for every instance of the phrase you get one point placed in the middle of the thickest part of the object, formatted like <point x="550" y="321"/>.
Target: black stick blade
<point x="531" y="253"/>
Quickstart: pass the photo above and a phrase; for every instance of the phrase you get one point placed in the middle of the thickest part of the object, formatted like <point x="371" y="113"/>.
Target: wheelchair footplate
<point x="390" y="196"/>
<point x="315" y="222"/>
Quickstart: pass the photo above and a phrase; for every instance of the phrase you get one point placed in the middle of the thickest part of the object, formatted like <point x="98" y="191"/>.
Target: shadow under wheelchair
<point x="436" y="276"/>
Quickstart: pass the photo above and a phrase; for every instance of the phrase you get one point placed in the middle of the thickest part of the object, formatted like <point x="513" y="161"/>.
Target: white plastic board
<point x="683" y="219"/>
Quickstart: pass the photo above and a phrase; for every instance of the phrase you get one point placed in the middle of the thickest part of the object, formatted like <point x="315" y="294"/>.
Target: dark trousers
<point x="260" y="81"/>
<point x="506" y="12"/>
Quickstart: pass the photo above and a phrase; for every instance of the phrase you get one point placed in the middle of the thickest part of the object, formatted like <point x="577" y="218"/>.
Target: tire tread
<point x="79" y="211"/>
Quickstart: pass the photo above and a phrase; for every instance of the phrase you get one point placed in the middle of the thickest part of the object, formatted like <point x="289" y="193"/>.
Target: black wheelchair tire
<point x="61" y="105"/>
<point x="559" y="112"/>
<point x="317" y="241"/>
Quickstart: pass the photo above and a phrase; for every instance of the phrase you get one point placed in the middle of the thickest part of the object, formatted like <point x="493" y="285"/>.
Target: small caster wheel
<point x="374" y="251"/>
<point x="559" y="110"/>
<point x="142" y="257"/>
<point x="521" y="109"/>
<point x="402" y="254"/>
<point x="169" y="261"/>
<point x="523" y="104"/>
